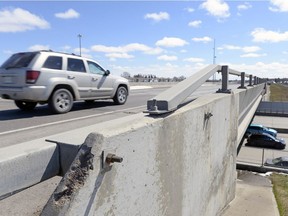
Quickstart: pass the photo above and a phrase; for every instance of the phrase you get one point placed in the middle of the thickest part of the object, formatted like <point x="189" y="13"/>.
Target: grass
<point x="280" y="182"/>
<point x="278" y="92"/>
<point x="280" y="189"/>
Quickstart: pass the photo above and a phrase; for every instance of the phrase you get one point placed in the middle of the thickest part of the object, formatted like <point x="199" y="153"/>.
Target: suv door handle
<point x="71" y="77"/>
<point x="94" y="79"/>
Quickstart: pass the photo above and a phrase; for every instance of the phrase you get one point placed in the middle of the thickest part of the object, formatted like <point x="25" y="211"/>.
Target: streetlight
<point x="214" y="60"/>
<point x="80" y="36"/>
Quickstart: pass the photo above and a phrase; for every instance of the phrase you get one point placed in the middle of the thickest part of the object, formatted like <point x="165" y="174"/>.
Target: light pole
<point x="214" y="60"/>
<point x="80" y="36"/>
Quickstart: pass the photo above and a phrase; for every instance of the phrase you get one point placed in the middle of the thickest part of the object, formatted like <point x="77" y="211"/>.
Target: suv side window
<point x="76" y="65"/>
<point x="95" y="68"/>
<point x="53" y="62"/>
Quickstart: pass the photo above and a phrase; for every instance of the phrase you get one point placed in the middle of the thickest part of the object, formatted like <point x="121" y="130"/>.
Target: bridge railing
<point x="170" y="99"/>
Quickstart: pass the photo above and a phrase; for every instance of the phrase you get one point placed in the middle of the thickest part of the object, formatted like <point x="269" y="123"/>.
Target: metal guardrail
<point x="170" y="99"/>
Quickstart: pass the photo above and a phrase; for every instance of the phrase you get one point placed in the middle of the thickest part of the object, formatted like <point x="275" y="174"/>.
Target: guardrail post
<point x="255" y="80"/>
<point x="224" y="71"/>
<point x="242" y="86"/>
<point x="250" y="80"/>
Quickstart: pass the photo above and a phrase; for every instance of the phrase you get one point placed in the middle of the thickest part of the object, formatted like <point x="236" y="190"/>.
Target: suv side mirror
<point x="107" y="72"/>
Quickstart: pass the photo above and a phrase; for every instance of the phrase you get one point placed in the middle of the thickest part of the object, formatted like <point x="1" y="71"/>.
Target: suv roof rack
<point x="59" y="52"/>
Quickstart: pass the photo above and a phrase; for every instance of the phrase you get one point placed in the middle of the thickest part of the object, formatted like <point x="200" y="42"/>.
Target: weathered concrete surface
<point x="26" y="164"/>
<point x="29" y="163"/>
<point x="180" y="164"/>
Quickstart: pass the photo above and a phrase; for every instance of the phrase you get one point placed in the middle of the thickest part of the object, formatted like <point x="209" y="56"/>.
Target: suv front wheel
<point x="120" y="96"/>
<point x="25" y="106"/>
<point x="61" y="101"/>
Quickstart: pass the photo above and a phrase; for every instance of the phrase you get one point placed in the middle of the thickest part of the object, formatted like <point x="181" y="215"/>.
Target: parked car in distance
<point x="281" y="162"/>
<point x="265" y="141"/>
<point x="258" y="129"/>
<point x="58" y="79"/>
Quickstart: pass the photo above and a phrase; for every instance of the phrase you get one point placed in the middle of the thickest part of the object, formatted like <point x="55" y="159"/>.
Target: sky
<point x="163" y="38"/>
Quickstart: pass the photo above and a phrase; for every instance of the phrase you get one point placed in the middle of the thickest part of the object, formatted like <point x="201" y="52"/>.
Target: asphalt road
<point x="258" y="156"/>
<point x="17" y="126"/>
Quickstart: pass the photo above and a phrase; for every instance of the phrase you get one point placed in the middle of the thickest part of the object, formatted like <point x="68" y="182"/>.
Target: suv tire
<point x="61" y="101"/>
<point x="120" y="96"/>
<point x="25" y="106"/>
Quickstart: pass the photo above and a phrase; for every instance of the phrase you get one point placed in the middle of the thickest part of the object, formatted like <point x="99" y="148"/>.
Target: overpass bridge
<point x="177" y="158"/>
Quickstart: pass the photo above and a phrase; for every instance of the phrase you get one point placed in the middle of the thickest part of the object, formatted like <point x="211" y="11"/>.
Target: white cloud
<point x="171" y="42"/>
<point x="279" y="5"/>
<point x="83" y="50"/>
<point x="264" y="70"/>
<point x="114" y="56"/>
<point x="195" y="23"/>
<point x="154" y="51"/>
<point x="69" y="14"/>
<point x="230" y="47"/>
<point x="136" y="47"/>
<point x="38" y="47"/>
<point x="20" y="20"/>
<point x="133" y="47"/>
<point x="157" y="16"/>
<point x="194" y="60"/>
<point x="244" y="6"/>
<point x="203" y="39"/>
<point x="245" y="49"/>
<point x="167" y="58"/>
<point x="106" y="49"/>
<point x="216" y="8"/>
<point x="253" y="55"/>
<point x="262" y="35"/>
<point x="190" y="10"/>
<point x="248" y="49"/>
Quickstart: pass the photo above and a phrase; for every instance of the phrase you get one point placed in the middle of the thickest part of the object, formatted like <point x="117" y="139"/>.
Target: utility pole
<point x="80" y="36"/>
<point x="214" y="60"/>
<point x="214" y="55"/>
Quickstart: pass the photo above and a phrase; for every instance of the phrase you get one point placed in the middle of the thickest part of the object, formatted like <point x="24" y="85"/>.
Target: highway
<point x="17" y="126"/>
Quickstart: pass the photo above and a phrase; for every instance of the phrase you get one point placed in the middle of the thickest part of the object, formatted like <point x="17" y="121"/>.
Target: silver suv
<point x="58" y="79"/>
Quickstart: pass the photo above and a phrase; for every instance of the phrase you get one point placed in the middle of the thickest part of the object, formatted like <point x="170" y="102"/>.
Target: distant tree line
<point x="150" y="78"/>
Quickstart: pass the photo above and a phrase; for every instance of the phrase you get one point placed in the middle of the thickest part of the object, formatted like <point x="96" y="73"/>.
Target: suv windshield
<point x="19" y="60"/>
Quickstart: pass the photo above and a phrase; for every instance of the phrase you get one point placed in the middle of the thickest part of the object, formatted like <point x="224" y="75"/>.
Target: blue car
<point x="259" y="129"/>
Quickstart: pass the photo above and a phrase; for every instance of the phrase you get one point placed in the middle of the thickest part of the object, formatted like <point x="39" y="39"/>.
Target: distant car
<point x="281" y="162"/>
<point x="259" y="129"/>
<point x="265" y="141"/>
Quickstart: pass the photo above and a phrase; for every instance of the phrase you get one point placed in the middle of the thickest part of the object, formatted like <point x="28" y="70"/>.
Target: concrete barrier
<point x="29" y="163"/>
<point x="178" y="164"/>
<point x="182" y="163"/>
<point x="26" y="164"/>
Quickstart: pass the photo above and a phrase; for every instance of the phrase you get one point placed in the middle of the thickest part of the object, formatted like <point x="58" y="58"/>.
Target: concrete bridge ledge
<point x="26" y="164"/>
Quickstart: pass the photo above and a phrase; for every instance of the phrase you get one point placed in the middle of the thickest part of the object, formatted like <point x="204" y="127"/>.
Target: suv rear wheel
<point x="25" y="106"/>
<point x="120" y="96"/>
<point x="61" y="101"/>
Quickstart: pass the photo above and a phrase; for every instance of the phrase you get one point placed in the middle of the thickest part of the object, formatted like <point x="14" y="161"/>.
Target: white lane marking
<point x="69" y="120"/>
<point x="140" y="87"/>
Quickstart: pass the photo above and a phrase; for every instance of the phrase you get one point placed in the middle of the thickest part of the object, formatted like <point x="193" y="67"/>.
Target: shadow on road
<point x="43" y="110"/>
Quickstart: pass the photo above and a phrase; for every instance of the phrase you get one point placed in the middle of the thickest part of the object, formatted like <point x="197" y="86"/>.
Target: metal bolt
<point x="112" y="158"/>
